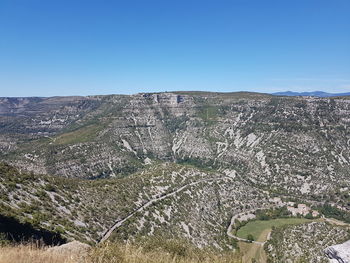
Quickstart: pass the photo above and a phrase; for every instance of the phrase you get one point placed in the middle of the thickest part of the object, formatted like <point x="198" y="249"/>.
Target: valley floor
<point x="261" y="231"/>
<point x="258" y="227"/>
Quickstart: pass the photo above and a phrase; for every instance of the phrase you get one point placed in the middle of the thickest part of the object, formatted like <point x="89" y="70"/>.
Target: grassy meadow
<point x="257" y="227"/>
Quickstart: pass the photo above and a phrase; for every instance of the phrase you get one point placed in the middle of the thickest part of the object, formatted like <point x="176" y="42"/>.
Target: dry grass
<point x="31" y="254"/>
<point x="115" y="253"/>
<point x="126" y="253"/>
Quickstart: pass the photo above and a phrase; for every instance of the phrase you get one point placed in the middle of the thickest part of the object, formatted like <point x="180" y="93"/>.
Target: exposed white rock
<point x="74" y="247"/>
<point x="127" y="146"/>
<point x="177" y="144"/>
<point x="305" y="188"/>
<point x="339" y="253"/>
<point x="186" y="228"/>
<point x="252" y="140"/>
<point x="147" y="161"/>
<point x="230" y="173"/>
<point x="79" y="223"/>
<point x="230" y="132"/>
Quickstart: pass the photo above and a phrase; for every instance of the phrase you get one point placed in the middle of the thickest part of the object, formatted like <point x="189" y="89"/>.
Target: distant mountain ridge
<point x="320" y="94"/>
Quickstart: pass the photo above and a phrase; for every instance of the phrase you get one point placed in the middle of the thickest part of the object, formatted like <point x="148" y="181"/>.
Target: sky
<point x="72" y="47"/>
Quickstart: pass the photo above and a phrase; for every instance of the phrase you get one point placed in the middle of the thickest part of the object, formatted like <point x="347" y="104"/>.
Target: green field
<point x="257" y="227"/>
<point x="84" y="134"/>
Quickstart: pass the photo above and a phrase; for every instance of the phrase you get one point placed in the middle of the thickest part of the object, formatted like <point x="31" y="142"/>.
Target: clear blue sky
<point x="59" y="47"/>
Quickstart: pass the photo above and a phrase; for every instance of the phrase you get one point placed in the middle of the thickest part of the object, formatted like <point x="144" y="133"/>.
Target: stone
<point x="74" y="248"/>
<point x="339" y="253"/>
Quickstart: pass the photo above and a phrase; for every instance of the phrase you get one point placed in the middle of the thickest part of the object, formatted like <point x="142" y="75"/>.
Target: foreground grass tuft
<point x="169" y="252"/>
<point x="32" y="254"/>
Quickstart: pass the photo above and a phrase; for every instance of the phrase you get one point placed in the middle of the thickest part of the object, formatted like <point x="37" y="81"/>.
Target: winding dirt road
<point x="160" y="197"/>
<point x="230" y="227"/>
<point x="157" y="198"/>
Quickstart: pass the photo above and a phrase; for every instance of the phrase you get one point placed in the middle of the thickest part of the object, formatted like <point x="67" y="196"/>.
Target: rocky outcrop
<point x="339" y="253"/>
<point x="74" y="248"/>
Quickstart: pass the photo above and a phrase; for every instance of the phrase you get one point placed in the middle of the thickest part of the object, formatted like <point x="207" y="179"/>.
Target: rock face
<point x="74" y="248"/>
<point x="339" y="253"/>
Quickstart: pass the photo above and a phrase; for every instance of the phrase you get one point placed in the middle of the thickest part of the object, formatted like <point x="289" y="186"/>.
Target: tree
<point x="309" y="216"/>
<point x="250" y="238"/>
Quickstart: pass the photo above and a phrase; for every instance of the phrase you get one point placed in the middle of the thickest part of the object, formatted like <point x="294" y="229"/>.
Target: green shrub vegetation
<point x="331" y="211"/>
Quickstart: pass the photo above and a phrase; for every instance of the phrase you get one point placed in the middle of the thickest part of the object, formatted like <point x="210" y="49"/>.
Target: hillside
<point x="319" y="94"/>
<point x="317" y="236"/>
<point x="177" y="165"/>
<point x="186" y="202"/>
<point x="290" y="145"/>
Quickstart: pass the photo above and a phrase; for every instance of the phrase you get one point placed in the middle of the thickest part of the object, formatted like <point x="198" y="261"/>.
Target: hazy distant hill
<point x="320" y="94"/>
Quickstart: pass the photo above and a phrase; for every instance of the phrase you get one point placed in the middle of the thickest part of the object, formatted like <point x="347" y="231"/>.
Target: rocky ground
<point x="304" y="243"/>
